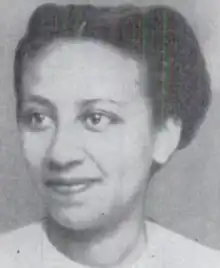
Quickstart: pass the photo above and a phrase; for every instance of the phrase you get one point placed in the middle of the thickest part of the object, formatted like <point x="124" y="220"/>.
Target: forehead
<point x="84" y="69"/>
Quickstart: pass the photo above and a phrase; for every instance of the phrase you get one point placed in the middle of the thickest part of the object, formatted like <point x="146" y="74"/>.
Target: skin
<point x="84" y="115"/>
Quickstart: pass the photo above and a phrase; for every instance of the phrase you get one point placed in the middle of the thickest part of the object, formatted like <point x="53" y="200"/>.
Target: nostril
<point x="57" y="166"/>
<point x="54" y="165"/>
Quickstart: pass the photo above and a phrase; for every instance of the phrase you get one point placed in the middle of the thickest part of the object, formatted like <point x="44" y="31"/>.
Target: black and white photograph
<point x="109" y="134"/>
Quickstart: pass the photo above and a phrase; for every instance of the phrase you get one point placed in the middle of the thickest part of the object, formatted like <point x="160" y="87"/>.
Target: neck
<point x="118" y="247"/>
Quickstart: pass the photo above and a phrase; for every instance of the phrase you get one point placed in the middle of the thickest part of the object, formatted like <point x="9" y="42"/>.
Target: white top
<point x="29" y="247"/>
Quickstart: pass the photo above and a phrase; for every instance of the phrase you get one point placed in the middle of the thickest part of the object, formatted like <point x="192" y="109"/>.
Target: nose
<point x="66" y="151"/>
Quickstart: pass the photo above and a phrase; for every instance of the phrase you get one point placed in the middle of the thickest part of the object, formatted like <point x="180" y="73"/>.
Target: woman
<point x="105" y="96"/>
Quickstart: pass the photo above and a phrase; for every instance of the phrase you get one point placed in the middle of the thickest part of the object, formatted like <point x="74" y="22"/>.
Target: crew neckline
<point x="56" y="257"/>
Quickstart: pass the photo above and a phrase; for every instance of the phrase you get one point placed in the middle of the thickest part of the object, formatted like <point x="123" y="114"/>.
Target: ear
<point x="167" y="140"/>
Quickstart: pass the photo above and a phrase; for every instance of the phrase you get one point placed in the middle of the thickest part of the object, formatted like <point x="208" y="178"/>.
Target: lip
<point x="65" y="186"/>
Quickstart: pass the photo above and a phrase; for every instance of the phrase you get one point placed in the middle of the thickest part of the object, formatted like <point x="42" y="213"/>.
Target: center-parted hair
<point x="177" y="84"/>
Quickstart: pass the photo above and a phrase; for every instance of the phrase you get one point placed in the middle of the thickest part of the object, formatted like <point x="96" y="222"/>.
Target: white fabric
<point x="29" y="247"/>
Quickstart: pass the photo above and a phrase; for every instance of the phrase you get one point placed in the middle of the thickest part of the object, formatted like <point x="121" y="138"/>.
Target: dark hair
<point x="179" y="84"/>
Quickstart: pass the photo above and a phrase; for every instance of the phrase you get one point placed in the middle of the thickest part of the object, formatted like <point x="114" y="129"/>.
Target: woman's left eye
<point x="97" y="122"/>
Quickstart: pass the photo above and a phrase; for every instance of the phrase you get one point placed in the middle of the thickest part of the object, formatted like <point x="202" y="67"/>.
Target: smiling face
<point x="86" y="132"/>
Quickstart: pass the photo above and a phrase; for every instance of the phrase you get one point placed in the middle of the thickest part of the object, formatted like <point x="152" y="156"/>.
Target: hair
<point x="178" y="81"/>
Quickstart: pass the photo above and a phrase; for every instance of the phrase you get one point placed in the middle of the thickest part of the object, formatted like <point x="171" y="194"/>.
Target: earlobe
<point x="167" y="140"/>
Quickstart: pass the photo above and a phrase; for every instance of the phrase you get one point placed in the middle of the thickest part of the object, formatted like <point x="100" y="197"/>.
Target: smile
<point x="73" y="186"/>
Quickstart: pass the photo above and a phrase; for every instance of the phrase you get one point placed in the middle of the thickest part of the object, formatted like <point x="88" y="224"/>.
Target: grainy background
<point x="184" y="197"/>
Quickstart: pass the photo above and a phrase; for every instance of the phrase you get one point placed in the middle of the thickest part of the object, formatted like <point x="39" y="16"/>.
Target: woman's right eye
<point x="37" y="121"/>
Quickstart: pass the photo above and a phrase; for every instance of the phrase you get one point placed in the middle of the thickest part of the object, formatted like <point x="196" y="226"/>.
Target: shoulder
<point x="29" y="247"/>
<point x="178" y="251"/>
<point x="22" y="247"/>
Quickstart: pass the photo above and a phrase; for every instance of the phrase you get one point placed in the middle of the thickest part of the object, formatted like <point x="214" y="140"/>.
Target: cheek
<point x="137" y="158"/>
<point x="124" y="153"/>
<point x="138" y="146"/>
<point x="35" y="146"/>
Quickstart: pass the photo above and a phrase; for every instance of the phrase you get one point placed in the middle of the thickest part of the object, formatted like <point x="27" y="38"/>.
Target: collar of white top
<point x="54" y="257"/>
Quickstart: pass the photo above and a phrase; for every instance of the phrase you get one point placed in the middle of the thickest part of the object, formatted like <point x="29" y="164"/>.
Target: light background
<point x="184" y="197"/>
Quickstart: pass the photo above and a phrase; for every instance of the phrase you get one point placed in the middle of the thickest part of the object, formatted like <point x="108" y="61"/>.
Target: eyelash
<point x="29" y="115"/>
<point x="112" y="117"/>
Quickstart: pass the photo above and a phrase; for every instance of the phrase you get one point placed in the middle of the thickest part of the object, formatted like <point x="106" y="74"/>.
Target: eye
<point x="36" y="121"/>
<point x="97" y="122"/>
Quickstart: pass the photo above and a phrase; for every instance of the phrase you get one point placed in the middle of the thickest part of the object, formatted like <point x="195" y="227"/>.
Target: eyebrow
<point x="40" y="100"/>
<point x="83" y="103"/>
<point x="94" y="101"/>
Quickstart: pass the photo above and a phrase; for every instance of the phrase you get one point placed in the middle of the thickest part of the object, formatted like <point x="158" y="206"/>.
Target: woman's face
<point x="86" y="132"/>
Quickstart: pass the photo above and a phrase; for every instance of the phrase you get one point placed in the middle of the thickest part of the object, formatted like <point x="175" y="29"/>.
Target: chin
<point x="77" y="220"/>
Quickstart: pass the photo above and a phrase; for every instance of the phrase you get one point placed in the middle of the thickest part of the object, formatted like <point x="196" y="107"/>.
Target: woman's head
<point x="101" y="95"/>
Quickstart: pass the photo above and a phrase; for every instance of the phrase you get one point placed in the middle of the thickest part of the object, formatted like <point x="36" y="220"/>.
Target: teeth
<point x="78" y="187"/>
<point x="63" y="189"/>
